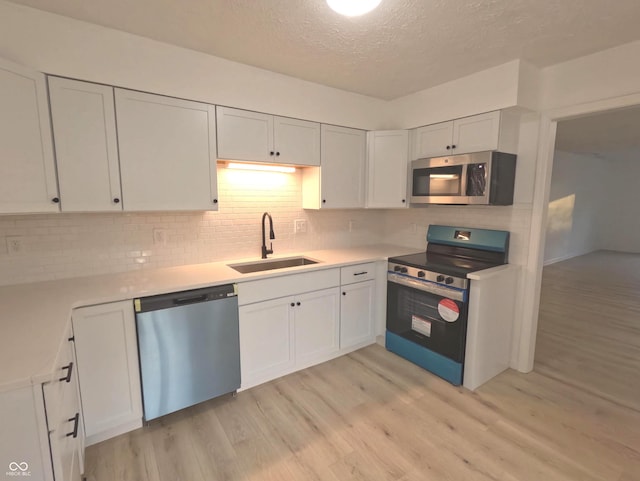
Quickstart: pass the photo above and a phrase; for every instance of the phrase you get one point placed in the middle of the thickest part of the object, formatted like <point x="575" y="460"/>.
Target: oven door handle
<point x="425" y="286"/>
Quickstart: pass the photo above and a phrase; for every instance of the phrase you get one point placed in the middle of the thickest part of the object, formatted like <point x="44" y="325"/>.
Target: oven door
<point x="428" y="314"/>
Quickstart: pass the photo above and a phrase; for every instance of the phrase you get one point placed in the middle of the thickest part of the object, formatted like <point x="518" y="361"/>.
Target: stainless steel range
<point x="428" y="293"/>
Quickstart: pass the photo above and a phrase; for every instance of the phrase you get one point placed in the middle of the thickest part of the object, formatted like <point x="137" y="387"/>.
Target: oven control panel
<point x="426" y="275"/>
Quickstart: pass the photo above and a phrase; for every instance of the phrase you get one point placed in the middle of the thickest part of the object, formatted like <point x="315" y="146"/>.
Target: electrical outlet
<point x="159" y="237"/>
<point x="413" y="227"/>
<point x="351" y="224"/>
<point x="15" y="245"/>
<point x="300" y="226"/>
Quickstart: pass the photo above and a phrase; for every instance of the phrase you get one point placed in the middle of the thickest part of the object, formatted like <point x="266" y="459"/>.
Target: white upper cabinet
<point x="167" y="152"/>
<point x="244" y="135"/>
<point x="296" y="141"/>
<point x="491" y="131"/>
<point x="477" y="133"/>
<point x="86" y="144"/>
<point x="340" y="181"/>
<point x="432" y="140"/>
<point x="27" y="166"/>
<point x="387" y="168"/>
<point x="256" y="137"/>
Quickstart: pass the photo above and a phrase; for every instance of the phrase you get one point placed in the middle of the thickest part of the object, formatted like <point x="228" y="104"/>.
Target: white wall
<point x="492" y="89"/>
<point x="63" y="46"/>
<point x="576" y="206"/>
<point x="621" y="223"/>
<point x="604" y="75"/>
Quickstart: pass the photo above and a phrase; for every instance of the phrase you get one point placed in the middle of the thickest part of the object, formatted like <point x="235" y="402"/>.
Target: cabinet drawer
<point x="357" y="273"/>
<point x="275" y="287"/>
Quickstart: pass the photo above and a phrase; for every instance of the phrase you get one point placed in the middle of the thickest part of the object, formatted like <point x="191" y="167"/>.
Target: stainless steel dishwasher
<point x="189" y="348"/>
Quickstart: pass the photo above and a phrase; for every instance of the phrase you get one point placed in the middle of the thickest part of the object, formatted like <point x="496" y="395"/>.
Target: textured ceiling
<point x="610" y="135"/>
<point x="402" y="47"/>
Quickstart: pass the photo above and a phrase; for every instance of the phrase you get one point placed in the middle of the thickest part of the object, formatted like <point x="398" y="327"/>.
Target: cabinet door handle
<point x="292" y="304"/>
<point x="360" y="273"/>
<point x="116" y="200"/>
<point x="344" y="293"/>
<point x="69" y="368"/>
<point x="55" y="200"/>
<point x="76" y="421"/>
<point x="448" y="147"/>
<point x="453" y="146"/>
<point x="297" y="303"/>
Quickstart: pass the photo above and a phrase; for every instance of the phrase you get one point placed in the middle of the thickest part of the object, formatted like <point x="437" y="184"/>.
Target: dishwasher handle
<point x="180" y="301"/>
<point x="184" y="298"/>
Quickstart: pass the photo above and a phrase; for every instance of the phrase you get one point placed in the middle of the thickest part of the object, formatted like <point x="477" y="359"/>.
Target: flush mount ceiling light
<point x="353" y="8"/>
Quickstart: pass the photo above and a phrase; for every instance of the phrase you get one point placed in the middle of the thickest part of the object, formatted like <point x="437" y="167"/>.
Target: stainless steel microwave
<point x="480" y="178"/>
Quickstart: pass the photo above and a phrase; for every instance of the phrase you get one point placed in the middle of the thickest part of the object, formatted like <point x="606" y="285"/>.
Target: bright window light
<point x="353" y="8"/>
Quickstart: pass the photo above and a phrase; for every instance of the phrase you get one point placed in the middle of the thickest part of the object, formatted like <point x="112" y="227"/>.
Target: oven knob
<point x="403" y="270"/>
<point x="440" y="278"/>
<point x="421" y="274"/>
<point x="448" y="280"/>
<point x="397" y="268"/>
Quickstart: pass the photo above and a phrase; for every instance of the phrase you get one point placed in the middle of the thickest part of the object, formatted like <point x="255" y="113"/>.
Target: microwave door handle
<point x="463" y="181"/>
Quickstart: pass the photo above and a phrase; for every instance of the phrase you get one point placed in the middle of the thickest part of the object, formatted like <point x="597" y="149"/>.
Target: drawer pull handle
<point x="69" y="368"/>
<point x="360" y="273"/>
<point x="76" y="421"/>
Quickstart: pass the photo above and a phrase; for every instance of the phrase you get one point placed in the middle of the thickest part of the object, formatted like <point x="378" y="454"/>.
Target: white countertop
<point x="34" y="317"/>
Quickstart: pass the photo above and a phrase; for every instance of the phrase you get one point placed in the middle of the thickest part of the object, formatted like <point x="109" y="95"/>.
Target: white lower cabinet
<point x="107" y="351"/>
<point x="316" y="326"/>
<point x="42" y="436"/>
<point x="283" y="335"/>
<point x="357" y="315"/>
<point x="288" y="323"/>
<point x="266" y="340"/>
<point x="357" y="305"/>
<point x="295" y="321"/>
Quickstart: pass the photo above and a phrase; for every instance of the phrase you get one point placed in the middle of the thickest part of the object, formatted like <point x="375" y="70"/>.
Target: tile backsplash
<point x="56" y="246"/>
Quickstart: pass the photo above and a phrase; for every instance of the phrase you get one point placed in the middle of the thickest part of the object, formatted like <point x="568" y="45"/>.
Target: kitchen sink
<point x="270" y="264"/>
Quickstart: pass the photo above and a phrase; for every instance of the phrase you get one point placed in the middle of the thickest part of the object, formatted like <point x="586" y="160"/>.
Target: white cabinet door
<point x="84" y="129"/>
<point x="107" y="352"/>
<point x="342" y="168"/>
<point x="296" y="141"/>
<point x="27" y="166"/>
<point x="432" y="140"/>
<point x="317" y="326"/>
<point x="244" y="135"/>
<point x="387" y="164"/>
<point x="266" y="340"/>
<point x="476" y="133"/>
<point x="357" y="314"/>
<point x="167" y="152"/>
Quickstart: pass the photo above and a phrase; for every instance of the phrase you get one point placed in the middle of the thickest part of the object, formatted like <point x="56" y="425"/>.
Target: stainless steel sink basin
<point x="270" y="264"/>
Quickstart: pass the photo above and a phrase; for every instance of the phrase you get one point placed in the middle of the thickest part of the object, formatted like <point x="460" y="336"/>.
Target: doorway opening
<point x="589" y="315"/>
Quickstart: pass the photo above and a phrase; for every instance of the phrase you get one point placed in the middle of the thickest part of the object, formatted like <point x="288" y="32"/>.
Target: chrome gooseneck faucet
<point x="272" y="236"/>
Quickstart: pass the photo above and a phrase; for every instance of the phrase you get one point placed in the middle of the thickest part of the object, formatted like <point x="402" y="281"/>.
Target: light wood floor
<point x="374" y="416"/>
<point x="589" y="325"/>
